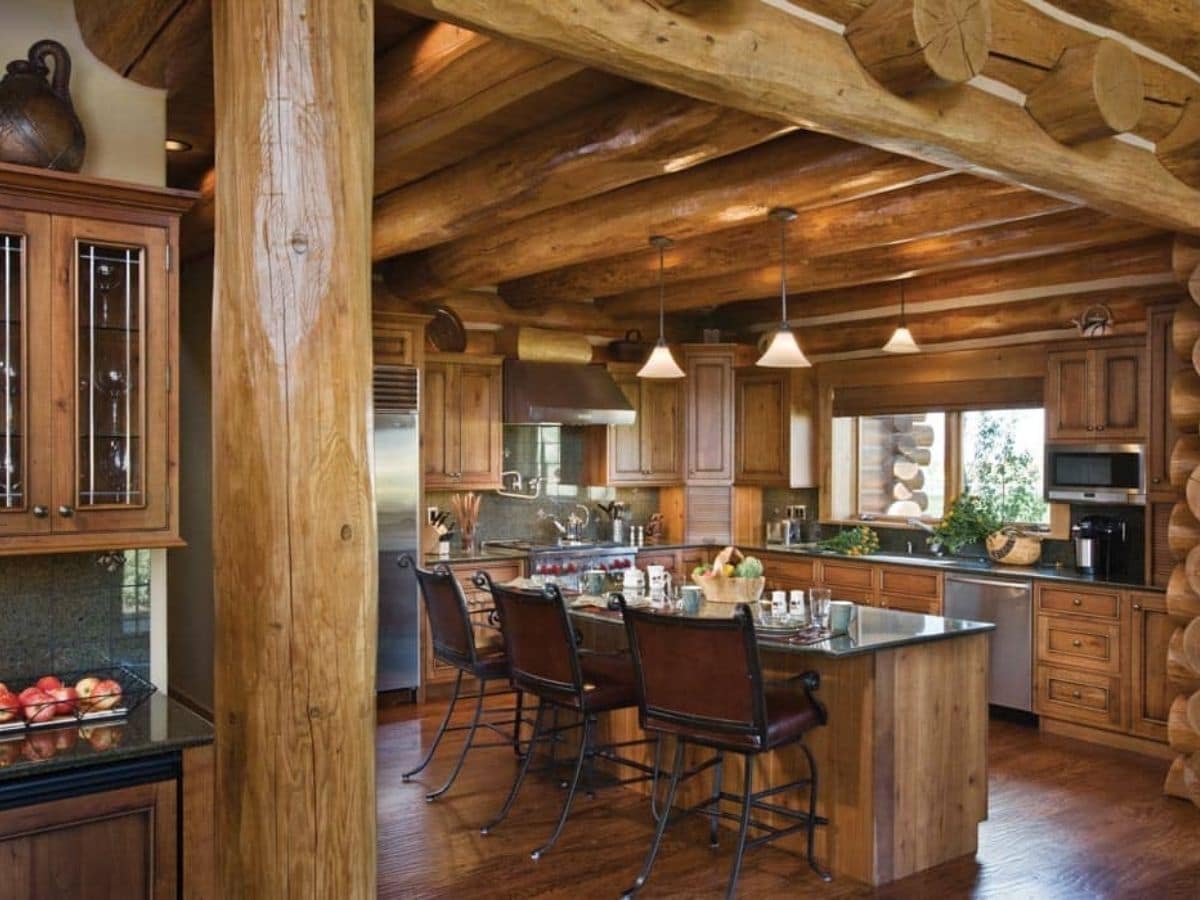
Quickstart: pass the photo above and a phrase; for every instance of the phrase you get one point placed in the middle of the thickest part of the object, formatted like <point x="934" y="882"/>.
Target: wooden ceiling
<point x="519" y="187"/>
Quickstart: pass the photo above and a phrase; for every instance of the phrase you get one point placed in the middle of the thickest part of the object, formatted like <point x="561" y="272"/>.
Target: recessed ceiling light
<point x="176" y="146"/>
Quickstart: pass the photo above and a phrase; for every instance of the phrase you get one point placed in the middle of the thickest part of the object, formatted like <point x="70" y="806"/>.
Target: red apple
<point x="10" y="704"/>
<point x="48" y="683"/>
<point x="38" y="746"/>
<point x="37" y="705"/>
<point x="105" y="695"/>
<point x="67" y="699"/>
<point x="83" y="689"/>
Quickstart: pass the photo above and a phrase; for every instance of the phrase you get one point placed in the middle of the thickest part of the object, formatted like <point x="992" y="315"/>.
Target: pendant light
<point x="783" y="351"/>
<point x="901" y="340"/>
<point x="660" y="363"/>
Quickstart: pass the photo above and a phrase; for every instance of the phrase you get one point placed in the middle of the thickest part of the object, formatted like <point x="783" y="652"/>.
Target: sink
<point x="917" y="560"/>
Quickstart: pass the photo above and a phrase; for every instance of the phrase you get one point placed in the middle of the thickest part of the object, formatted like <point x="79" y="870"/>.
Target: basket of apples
<point x="732" y="578"/>
<point x="72" y="698"/>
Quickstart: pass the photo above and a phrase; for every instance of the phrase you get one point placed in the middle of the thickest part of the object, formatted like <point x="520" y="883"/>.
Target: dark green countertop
<point x="489" y="554"/>
<point x="158" y="726"/>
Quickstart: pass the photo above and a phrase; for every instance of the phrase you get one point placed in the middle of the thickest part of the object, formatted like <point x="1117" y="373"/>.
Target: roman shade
<point x="938" y="396"/>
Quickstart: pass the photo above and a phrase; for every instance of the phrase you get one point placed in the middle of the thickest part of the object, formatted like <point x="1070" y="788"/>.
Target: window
<point x="911" y="465"/>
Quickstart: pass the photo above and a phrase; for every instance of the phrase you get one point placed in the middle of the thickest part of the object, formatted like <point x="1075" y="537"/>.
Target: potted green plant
<point x="968" y="521"/>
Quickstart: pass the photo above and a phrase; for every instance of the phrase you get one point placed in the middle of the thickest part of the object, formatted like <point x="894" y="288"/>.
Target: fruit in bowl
<point x="37" y="705"/>
<point x="727" y="581"/>
<point x="10" y="705"/>
<point x="105" y="695"/>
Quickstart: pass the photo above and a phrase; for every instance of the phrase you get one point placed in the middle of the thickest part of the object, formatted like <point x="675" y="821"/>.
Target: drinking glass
<point x="819" y="601"/>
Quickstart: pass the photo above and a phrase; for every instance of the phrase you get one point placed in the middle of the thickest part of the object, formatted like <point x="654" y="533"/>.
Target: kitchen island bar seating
<point x="545" y="661"/>
<point x="479" y="654"/>
<point x="725" y="706"/>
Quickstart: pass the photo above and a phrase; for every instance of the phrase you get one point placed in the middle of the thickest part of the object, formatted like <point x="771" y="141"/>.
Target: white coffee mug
<point x="634" y="579"/>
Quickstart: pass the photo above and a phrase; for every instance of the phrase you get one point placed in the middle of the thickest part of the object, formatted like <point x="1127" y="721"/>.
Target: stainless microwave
<point x="1096" y="473"/>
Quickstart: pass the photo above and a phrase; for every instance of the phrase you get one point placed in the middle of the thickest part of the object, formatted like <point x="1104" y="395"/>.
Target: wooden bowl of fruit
<point x="732" y="578"/>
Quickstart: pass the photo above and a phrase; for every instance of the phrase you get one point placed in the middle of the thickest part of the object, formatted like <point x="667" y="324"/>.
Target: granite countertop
<point x="874" y="629"/>
<point x="483" y="554"/>
<point x="964" y="565"/>
<point x="160" y="725"/>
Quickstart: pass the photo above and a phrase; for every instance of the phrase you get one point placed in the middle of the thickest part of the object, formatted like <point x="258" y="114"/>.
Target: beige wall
<point x="125" y="122"/>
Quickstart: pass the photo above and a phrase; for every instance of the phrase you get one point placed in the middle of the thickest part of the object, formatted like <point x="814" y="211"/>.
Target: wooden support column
<point x="294" y="532"/>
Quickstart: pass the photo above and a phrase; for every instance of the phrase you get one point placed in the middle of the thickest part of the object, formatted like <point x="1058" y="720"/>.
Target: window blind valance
<point x="938" y="396"/>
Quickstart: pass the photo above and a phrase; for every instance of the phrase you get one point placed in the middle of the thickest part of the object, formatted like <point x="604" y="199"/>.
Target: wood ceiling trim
<point x="801" y="170"/>
<point x="952" y="204"/>
<point x="781" y="65"/>
<point x="1044" y="236"/>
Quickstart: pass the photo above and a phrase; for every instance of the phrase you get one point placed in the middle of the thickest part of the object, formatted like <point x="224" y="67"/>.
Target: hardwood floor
<point x="1067" y="820"/>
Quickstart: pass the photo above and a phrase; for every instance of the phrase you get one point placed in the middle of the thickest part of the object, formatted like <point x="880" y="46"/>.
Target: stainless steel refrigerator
<point x="397" y="485"/>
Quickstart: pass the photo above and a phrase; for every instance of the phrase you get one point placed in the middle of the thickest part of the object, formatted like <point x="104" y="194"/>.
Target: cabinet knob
<point x="1077" y="695"/>
<point x="1156" y="479"/>
<point x="1090" y="428"/>
<point x="40" y="512"/>
<point x="1137" y="606"/>
<point x="1077" y="643"/>
<point x="1077" y="602"/>
<point x="66" y="511"/>
<point x="1099" y="427"/>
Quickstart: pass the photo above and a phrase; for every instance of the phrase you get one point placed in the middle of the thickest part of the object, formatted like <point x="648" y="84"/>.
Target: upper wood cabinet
<point x="709" y="413"/>
<point x="1163" y="364"/>
<point x="648" y="452"/>
<point x="461" y="425"/>
<point x="774" y="437"/>
<point x="88" y="355"/>
<point x="1097" y="394"/>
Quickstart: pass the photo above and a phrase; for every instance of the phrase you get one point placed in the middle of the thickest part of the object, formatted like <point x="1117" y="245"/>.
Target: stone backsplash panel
<point x="69" y="611"/>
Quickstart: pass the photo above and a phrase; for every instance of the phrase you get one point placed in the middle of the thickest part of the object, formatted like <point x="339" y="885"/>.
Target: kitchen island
<point x="903" y="759"/>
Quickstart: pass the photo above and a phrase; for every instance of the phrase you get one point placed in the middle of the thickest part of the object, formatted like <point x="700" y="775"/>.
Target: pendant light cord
<point x="901" y="304"/>
<point x="783" y="270"/>
<point x="661" y="295"/>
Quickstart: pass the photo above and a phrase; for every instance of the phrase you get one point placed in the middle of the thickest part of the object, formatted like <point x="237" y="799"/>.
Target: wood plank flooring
<point x="1067" y="820"/>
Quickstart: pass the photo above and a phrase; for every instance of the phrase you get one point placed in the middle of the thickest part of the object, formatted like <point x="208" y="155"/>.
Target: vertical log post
<point x="294" y="541"/>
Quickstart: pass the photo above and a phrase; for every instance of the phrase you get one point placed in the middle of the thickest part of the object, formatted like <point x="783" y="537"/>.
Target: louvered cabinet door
<point x="1159" y="558"/>
<point x="708" y="515"/>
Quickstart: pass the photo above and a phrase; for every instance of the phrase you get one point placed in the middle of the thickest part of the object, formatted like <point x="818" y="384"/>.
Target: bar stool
<point x="725" y="706"/>
<point x="545" y="661"/>
<point x="475" y="653"/>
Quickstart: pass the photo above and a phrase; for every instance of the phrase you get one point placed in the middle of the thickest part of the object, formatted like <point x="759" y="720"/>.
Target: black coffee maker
<point x="1100" y="545"/>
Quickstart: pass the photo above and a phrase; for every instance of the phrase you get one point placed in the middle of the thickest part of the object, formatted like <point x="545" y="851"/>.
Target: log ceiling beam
<point x="780" y="65"/>
<point x="1025" y="44"/>
<point x="1172" y="27"/>
<point x="1139" y="265"/>
<point x="634" y="136"/>
<point x="441" y="80"/>
<point x="949" y="205"/>
<point x="801" y="170"/>
<point x="1058" y="233"/>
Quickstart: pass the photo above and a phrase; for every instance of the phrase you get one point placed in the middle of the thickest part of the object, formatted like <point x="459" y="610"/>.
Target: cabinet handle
<point x="1077" y="602"/>
<point x="66" y="511"/>
<point x="40" y="512"/>
<point x="1077" y="695"/>
<point x="1076" y="643"/>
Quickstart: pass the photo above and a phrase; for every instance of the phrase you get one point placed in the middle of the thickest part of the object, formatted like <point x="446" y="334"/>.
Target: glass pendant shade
<point x="660" y="364"/>
<point x="784" y="352"/>
<point x="901" y="341"/>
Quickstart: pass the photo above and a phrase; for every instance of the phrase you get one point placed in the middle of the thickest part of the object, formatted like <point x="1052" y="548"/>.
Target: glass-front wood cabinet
<point x="88" y="347"/>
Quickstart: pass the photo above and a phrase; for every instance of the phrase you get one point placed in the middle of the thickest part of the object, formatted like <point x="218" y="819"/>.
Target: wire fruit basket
<point x="89" y="697"/>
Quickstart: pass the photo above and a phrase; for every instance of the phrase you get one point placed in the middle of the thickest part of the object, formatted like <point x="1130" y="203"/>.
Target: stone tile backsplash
<point x="67" y="612"/>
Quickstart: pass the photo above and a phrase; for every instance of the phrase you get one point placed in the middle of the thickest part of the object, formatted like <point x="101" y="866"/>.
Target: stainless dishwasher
<point x="1007" y="604"/>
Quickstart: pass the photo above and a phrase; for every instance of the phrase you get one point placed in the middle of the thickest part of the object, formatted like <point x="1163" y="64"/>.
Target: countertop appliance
<point x="1098" y="544"/>
<point x="1096" y="473"/>
<point x="1007" y="604"/>
<point x="397" y="480"/>
<point x="565" y="562"/>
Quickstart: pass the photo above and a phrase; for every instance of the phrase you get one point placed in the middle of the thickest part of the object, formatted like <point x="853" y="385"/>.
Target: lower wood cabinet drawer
<point x="1079" y="643"/>
<point x="796" y="572"/>
<point x="1079" y="601"/>
<point x="910" y="589"/>
<point x="849" y="581"/>
<point x="1089" y="698"/>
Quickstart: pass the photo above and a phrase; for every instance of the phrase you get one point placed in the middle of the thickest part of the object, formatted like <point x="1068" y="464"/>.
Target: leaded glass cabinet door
<point x="113" y="378"/>
<point x="25" y="309"/>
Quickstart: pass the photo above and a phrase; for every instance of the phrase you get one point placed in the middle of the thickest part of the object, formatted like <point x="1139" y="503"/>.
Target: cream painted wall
<point x="125" y="122"/>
